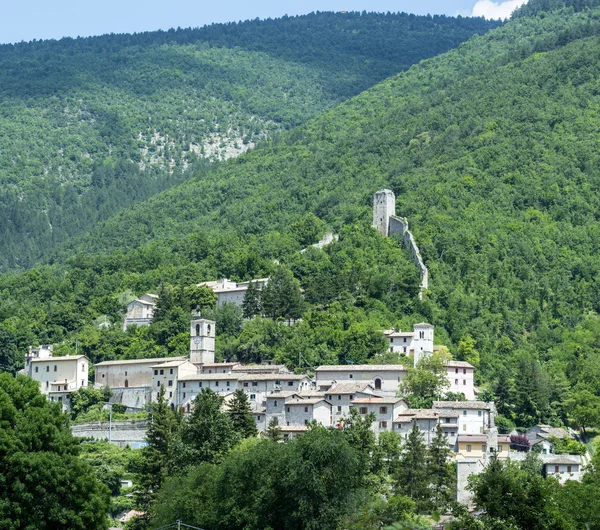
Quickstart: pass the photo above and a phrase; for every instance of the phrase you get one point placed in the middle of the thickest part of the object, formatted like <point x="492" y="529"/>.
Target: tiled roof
<point x="170" y="364"/>
<point x="459" y="364"/>
<point x="348" y="388"/>
<point x="210" y="377"/>
<point x="141" y="361"/>
<point x="361" y="368"/>
<point x="406" y="416"/>
<point x="63" y="358"/>
<point x="282" y="394"/>
<point x="271" y="377"/>
<point x="461" y="405"/>
<point x="309" y="401"/>
<point x="267" y="368"/>
<point x="570" y="460"/>
<point x="377" y="400"/>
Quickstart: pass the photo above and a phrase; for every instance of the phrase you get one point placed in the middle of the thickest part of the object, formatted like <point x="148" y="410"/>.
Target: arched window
<point x="378" y="384"/>
<point x="197" y="330"/>
<point x="126" y="383"/>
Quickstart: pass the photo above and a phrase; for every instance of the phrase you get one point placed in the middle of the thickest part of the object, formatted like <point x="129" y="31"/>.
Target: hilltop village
<point x="324" y="395"/>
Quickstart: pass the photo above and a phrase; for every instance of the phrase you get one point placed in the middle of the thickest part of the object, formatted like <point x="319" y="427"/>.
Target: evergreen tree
<point x="155" y="456"/>
<point x="411" y="476"/>
<point x="208" y="432"/>
<point x="439" y="469"/>
<point x="273" y="430"/>
<point x="252" y="305"/>
<point x="281" y="297"/>
<point x="241" y="415"/>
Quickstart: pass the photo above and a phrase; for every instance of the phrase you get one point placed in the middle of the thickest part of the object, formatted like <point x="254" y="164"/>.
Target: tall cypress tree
<point x="441" y="475"/>
<point x="411" y="472"/>
<point x="273" y="430"/>
<point x="155" y="456"/>
<point x="252" y="305"/>
<point x="241" y="415"/>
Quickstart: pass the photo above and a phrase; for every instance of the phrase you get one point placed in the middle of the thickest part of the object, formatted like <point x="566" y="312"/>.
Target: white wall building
<point x="562" y="467"/>
<point x="301" y="411"/>
<point x="140" y="312"/>
<point x="59" y="376"/>
<point x="167" y="375"/>
<point x="231" y="292"/>
<point x="385" y="378"/>
<point x="341" y="396"/>
<point x="384" y="408"/>
<point x="202" y="341"/>
<point x="474" y="417"/>
<point x="131" y="373"/>
<point x="461" y="378"/>
<point x="418" y="342"/>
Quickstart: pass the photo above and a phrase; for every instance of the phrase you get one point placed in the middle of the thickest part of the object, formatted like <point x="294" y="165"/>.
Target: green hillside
<point x="90" y="126"/>
<point x="492" y="150"/>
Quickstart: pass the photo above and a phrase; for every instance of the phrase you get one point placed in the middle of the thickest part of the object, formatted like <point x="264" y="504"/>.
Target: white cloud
<point x="495" y="10"/>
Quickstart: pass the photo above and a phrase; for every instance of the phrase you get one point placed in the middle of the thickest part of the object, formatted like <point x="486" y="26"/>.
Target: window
<point x="226" y="383"/>
<point x="456" y="381"/>
<point x="392" y="341"/>
<point x="83" y="384"/>
<point x="483" y="448"/>
<point x="350" y="376"/>
<point x="170" y="394"/>
<point x="171" y="371"/>
<point x="184" y="384"/>
<point x="403" y="349"/>
<point x="290" y="383"/>
<point x="170" y="382"/>
<point x="246" y="385"/>
<point x="55" y="368"/>
<point x="158" y="383"/>
<point x="464" y="370"/>
<point x="102" y="376"/>
<point x="208" y="330"/>
<point x="568" y="469"/>
<point x="421" y="334"/>
<point x="339" y="397"/>
<point x="468" y="448"/>
<point x="278" y="382"/>
<point x="197" y="330"/>
<point x="258" y="418"/>
<point x="479" y="413"/>
<point x="275" y="403"/>
<point x="162" y="372"/>
<point x="254" y="383"/>
<point x="404" y="339"/>
<point x="382" y="410"/>
<point x="288" y="409"/>
<point x="464" y="381"/>
<point x="200" y="384"/>
<point x="47" y="368"/>
<point x="556" y="469"/>
<point x="499" y="448"/>
<point x="83" y="368"/>
<point x="351" y="397"/>
<point x="184" y="395"/>
<point x="456" y="370"/>
<point x="216" y="383"/>
<point x="47" y="383"/>
<point x="252" y="396"/>
<point x="339" y="408"/>
<point x="210" y="371"/>
<point x="36" y="370"/>
<point x="464" y="427"/>
<point x="305" y="409"/>
<point x="155" y="372"/>
<point x="383" y="424"/>
<point x="363" y="410"/>
<point x="378" y="384"/>
<point x="464" y="412"/>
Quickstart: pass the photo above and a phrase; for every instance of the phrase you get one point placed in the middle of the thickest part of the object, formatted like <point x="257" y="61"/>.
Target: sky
<point x="25" y="20"/>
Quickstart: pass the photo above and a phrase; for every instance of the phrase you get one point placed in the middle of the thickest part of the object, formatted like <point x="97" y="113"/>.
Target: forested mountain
<point x="492" y="152"/>
<point x="90" y="126"/>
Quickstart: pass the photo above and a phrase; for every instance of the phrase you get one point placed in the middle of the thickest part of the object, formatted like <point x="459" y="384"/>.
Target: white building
<point x="132" y="373"/>
<point x="385" y="378"/>
<point x="461" y="376"/>
<point x="301" y="411"/>
<point x="58" y="377"/>
<point x="342" y="395"/>
<point x="231" y="292"/>
<point x="140" y="312"/>
<point x="202" y="341"/>
<point x="474" y="417"/>
<point x="418" y="342"/>
<point x="385" y="410"/>
<point x="167" y="375"/>
<point x="562" y="467"/>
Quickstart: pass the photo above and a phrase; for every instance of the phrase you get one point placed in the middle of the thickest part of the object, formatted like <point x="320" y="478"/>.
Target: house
<point x="476" y="445"/>
<point x="474" y="417"/>
<point x="461" y="378"/>
<point x="166" y="375"/>
<point x="190" y="385"/>
<point x="385" y="410"/>
<point x="259" y="385"/>
<point x="220" y="368"/>
<point x="231" y="292"/>
<point x="301" y="411"/>
<point x="418" y="342"/>
<point x="563" y="467"/>
<point x="58" y="377"/>
<point x="341" y="396"/>
<point x="385" y="378"/>
<point x="129" y="373"/>
<point x="544" y="432"/>
<point x="427" y="421"/>
<point x="140" y="312"/>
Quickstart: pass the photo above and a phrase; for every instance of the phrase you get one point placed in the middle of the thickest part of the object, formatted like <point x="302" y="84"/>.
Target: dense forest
<point x="90" y="126"/>
<point x="491" y="149"/>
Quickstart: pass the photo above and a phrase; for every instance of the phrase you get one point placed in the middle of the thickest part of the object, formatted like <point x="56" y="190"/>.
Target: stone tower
<point x="423" y="341"/>
<point x="202" y="341"/>
<point x="384" y="206"/>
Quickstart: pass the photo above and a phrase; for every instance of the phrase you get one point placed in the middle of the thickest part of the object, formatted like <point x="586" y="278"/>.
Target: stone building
<point x="131" y="373"/>
<point x="140" y="312"/>
<point x="202" y="341"/>
<point x="231" y="292"/>
<point x="167" y="375"/>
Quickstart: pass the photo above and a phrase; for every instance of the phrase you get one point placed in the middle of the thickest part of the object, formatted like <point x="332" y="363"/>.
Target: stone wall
<point x="135" y="399"/>
<point x="399" y="225"/>
<point x="122" y="433"/>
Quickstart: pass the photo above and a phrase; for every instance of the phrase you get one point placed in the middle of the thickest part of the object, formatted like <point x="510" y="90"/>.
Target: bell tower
<point x="202" y="341"/>
<point x="423" y="341"/>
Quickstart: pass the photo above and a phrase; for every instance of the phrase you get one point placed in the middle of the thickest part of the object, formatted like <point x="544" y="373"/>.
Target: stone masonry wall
<point x="122" y="433"/>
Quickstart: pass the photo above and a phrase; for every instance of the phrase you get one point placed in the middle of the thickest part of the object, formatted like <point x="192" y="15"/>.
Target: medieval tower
<point x="384" y="206"/>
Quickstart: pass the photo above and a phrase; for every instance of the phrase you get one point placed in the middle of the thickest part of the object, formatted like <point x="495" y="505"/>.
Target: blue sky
<point x="43" y="19"/>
